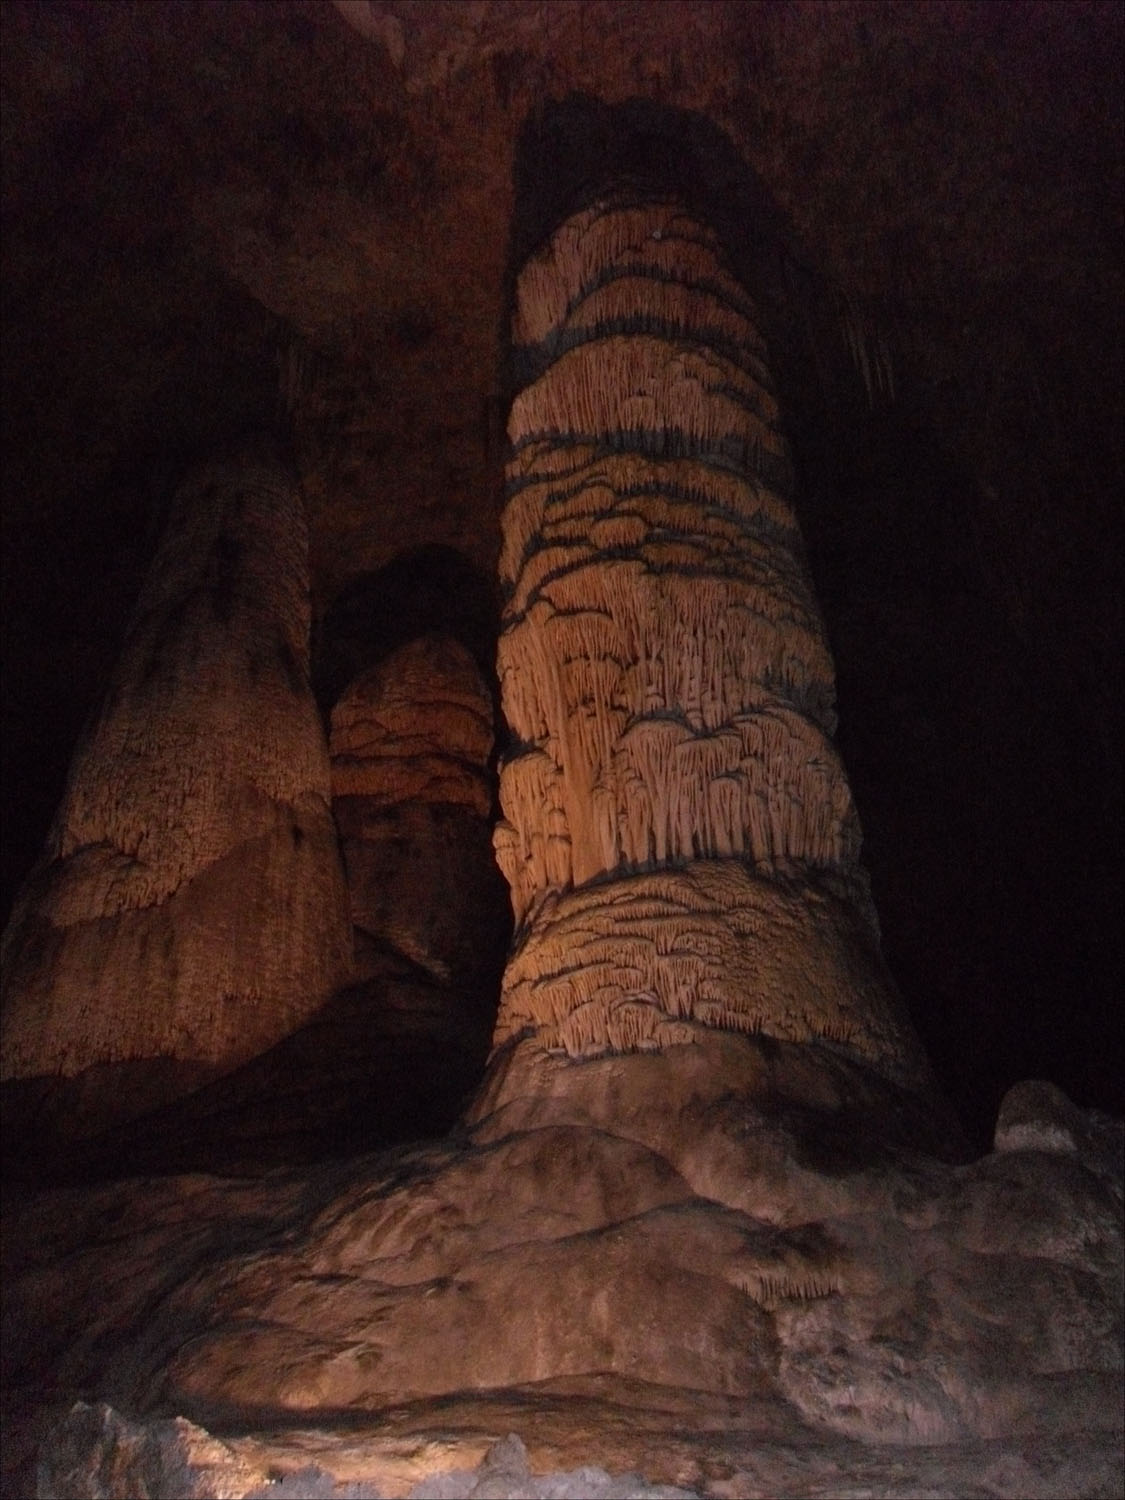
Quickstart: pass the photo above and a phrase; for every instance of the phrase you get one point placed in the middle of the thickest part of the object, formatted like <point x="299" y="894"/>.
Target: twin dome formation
<point x="678" y="832"/>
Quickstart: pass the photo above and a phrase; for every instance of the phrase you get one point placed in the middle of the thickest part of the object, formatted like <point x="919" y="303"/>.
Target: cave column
<point x="678" y="833"/>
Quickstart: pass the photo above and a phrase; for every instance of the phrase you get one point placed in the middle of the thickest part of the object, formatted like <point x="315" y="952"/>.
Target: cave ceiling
<point x="306" y="216"/>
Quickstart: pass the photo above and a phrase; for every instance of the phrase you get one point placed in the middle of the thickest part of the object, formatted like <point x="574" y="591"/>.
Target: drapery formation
<point x="678" y="834"/>
<point x="190" y="905"/>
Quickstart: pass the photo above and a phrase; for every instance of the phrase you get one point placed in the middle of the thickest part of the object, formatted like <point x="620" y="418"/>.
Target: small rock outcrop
<point x="679" y="833"/>
<point x="190" y="908"/>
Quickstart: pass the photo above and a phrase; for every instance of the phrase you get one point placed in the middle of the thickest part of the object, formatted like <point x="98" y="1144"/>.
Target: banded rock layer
<point x="678" y="834"/>
<point x="190" y="904"/>
<point x="412" y="794"/>
<point x="415" y="728"/>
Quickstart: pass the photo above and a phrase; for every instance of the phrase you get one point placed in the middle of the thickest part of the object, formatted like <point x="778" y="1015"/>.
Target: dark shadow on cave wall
<point x="429" y="590"/>
<point x="1006" y="949"/>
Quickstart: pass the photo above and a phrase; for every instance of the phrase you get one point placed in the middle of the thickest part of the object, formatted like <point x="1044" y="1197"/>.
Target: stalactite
<point x="679" y="833"/>
<point x="190" y="903"/>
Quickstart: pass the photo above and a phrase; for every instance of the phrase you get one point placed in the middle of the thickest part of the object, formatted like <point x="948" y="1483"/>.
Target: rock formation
<point x="726" y="1266"/>
<point x="679" y="833"/>
<point x="412" y="796"/>
<point x="190" y="908"/>
<point x="846" y="1319"/>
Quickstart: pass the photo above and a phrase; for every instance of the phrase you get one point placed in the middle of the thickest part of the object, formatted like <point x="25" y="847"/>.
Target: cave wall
<point x="229" y="215"/>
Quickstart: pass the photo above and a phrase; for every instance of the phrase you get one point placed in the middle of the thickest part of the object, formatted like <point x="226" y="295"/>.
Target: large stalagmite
<point x="679" y="834"/>
<point x="190" y="906"/>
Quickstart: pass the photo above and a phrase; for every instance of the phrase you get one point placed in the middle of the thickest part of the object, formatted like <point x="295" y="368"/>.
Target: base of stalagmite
<point x="653" y="960"/>
<point x="391" y="1058"/>
<point x="632" y="1250"/>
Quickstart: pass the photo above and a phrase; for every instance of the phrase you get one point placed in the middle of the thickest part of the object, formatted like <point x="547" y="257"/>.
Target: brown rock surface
<point x="190" y="907"/>
<point x="416" y="728"/>
<point x="412" y="793"/>
<point x="209" y="206"/>
<point x="823" y="1311"/>
<point x="665" y="674"/>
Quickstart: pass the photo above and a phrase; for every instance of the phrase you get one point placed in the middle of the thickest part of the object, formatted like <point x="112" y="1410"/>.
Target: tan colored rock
<point x="647" y="961"/>
<point x="678" y="832"/>
<point x="190" y="904"/>
<point x="412" y="788"/>
<point x="682" y="1282"/>
<point x="415" y="728"/>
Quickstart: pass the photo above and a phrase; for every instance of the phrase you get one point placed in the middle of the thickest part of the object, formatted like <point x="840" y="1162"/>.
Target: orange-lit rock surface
<point x="190" y="907"/>
<point x="719" y="1234"/>
<point x="678" y="832"/>
<point x="743" y="1305"/>
<point x="412" y="792"/>
<point x="312" y="216"/>
<point x="216" y="210"/>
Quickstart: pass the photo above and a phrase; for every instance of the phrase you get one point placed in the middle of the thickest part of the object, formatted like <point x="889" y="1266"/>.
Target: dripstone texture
<point x="734" y="1266"/>
<point x="412" y="795"/>
<point x="679" y="833"/>
<point x="748" y="1306"/>
<point x="737" y="1258"/>
<point x="190" y="909"/>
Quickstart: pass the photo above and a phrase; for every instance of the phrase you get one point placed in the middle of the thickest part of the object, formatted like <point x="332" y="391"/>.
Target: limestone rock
<point x="395" y="1051"/>
<point x="678" y="833"/>
<point x="1037" y="1116"/>
<point x="190" y="906"/>
<point x="412" y="792"/>
<point x="681" y="1284"/>
<point x="415" y="728"/>
<point x="97" y="1454"/>
<point x="647" y="961"/>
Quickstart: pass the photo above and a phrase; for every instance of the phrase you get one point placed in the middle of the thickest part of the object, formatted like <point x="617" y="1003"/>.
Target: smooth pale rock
<point x="190" y="908"/>
<point x="1037" y="1116"/>
<point x="97" y="1454"/>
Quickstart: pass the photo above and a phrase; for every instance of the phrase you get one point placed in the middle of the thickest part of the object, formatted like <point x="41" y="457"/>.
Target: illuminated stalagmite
<point x="190" y="905"/>
<point x="412" y="794"/>
<point x="678" y="834"/>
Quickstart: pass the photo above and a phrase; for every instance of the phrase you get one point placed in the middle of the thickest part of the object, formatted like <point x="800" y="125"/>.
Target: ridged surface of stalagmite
<point x="415" y="728"/>
<point x="190" y="904"/>
<point x="678" y="833"/>
<point x="412" y="794"/>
